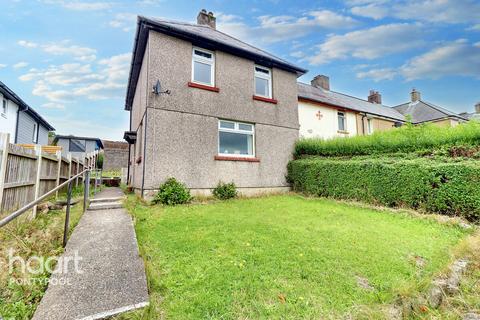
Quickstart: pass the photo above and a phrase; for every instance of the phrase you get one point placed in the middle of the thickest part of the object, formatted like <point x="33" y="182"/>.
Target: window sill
<point x="265" y="99"/>
<point x="343" y="132"/>
<point x="202" y="86"/>
<point x="228" y="158"/>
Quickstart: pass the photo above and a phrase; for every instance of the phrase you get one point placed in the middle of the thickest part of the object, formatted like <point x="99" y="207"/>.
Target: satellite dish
<point x="157" y="89"/>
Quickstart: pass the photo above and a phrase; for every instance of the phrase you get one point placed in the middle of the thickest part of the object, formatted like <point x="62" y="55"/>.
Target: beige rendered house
<point x="327" y="114"/>
<point x="206" y="107"/>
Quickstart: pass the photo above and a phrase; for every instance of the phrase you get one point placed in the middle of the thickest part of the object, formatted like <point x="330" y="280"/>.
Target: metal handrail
<point x="30" y="205"/>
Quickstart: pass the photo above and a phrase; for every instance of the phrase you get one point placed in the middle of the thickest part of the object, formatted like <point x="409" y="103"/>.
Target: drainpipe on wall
<point x="16" y="126"/>
<point x="363" y="123"/>
<point x="144" y="150"/>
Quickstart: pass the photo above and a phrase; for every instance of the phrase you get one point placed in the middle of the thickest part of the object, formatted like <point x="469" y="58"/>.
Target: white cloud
<point x="369" y="43"/>
<point x="2" y="65"/>
<point x="459" y="58"/>
<point x="281" y="28"/>
<point x="20" y="65"/>
<point x="27" y="44"/>
<point x="124" y="21"/>
<point x="84" y="54"/>
<point x="475" y="27"/>
<point x="53" y="105"/>
<point x="378" y="74"/>
<point x="437" y="11"/>
<point x="298" y="54"/>
<point x="81" y="5"/>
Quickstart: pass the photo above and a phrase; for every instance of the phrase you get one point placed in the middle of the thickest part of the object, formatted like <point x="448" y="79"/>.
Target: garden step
<point x="105" y="206"/>
<point x="114" y="199"/>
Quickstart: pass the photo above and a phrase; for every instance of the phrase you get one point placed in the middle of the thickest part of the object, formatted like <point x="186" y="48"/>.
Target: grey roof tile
<point x="422" y="111"/>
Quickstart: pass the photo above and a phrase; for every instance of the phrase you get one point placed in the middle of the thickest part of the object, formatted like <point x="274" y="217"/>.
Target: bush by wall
<point x="447" y="188"/>
<point x="408" y="138"/>
<point x="224" y="191"/>
<point x="172" y="192"/>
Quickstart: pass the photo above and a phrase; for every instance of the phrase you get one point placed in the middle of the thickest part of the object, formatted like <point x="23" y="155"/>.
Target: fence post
<point x="59" y="159"/>
<point x="86" y="190"/>
<point x="67" y="214"/>
<point x="78" y="170"/>
<point x="69" y="157"/>
<point x="4" y="143"/>
<point x="38" y="152"/>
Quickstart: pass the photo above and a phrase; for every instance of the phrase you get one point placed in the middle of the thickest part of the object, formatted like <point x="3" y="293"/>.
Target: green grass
<point x="283" y="257"/>
<point x="406" y="139"/>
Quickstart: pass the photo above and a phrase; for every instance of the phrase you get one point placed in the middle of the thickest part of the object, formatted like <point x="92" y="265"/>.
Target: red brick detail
<point x="246" y="159"/>
<point x="265" y="99"/>
<point x="204" y="87"/>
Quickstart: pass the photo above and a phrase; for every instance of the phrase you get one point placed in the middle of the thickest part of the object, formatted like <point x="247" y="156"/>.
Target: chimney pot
<point x="415" y="95"/>
<point x="321" y="81"/>
<point x="206" y="19"/>
<point x="375" y="97"/>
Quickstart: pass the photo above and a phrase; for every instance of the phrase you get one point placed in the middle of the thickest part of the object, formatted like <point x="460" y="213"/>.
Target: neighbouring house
<point x="17" y="118"/>
<point x="115" y="155"/>
<point x="220" y="109"/>
<point x="77" y="146"/>
<point x="421" y="111"/>
<point x="324" y="113"/>
<point x="474" y="115"/>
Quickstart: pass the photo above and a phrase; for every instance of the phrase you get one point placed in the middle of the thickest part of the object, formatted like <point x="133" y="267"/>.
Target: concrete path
<point x="110" y="277"/>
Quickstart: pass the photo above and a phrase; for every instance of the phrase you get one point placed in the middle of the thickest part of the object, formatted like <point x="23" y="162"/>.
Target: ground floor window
<point x="236" y="138"/>
<point x="341" y="121"/>
<point x="370" y="126"/>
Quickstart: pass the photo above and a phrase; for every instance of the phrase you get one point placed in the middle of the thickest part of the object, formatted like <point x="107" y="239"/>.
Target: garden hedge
<point x="445" y="188"/>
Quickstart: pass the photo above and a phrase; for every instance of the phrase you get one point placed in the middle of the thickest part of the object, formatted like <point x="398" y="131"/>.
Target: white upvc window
<point x="370" y="125"/>
<point x="35" y="133"/>
<point x="236" y="139"/>
<point x="4" y="107"/>
<point x="263" y="82"/>
<point x="203" y="67"/>
<point x="342" y="123"/>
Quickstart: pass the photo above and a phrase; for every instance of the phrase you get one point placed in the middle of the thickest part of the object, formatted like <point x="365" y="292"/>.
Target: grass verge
<point x="284" y="257"/>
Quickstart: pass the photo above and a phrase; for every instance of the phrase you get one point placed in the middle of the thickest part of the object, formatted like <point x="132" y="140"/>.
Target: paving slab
<point x="110" y="277"/>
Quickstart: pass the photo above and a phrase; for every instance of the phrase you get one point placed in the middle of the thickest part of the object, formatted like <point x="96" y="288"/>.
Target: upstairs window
<point x="35" y="133"/>
<point x="203" y="67"/>
<point x="236" y="139"/>
<point x="263" y="82"/>
<point x="4" y="107"/>
<point x="342" y="126"/>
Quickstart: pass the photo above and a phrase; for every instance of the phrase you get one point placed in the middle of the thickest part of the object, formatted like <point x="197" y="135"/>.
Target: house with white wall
<point x="323" y="113"/>
<point x="20" y="120"/>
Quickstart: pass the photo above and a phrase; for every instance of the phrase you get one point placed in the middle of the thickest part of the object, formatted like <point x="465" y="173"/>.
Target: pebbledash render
<point x="206" y="107"/>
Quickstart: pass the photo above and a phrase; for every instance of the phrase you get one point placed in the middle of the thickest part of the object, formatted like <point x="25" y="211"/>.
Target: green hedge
<point x="408" y="138"/>
<point x="445" y="188"/>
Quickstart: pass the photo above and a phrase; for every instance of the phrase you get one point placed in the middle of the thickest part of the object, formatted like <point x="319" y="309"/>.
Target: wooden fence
<point x="28" y="172"/>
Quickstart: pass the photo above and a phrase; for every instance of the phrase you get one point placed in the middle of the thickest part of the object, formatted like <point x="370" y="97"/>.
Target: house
<point x="474" y="115"/>
<point x="324" y="113"/>
<point x="220" y="109"/>
<point x="421" y="111"/>
<point x="18" y="119"/>
<point x="115" y="155"/>
<point x="77" y="146"/>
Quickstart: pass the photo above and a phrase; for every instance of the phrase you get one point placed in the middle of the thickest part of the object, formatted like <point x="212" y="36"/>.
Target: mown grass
<point x="407" y="139"/>
<point x="283" y="257"/>
<point x="40" y="237"/>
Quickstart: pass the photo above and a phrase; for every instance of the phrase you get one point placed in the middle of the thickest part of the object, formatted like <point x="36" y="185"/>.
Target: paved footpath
<point x="111" y="276"/>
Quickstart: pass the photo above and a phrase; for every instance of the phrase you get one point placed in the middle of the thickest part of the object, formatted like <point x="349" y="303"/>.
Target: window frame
<point x="35" y="133"/>
<point x="238" y="131"/>
<point x="369" y="125"/>
<point x="204" y="60"/>
<point x="4" y="110"/>
<point x="262" y="76"/>
<point x="344" y="117"/>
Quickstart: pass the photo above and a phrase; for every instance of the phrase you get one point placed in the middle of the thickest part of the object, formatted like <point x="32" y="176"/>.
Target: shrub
<point x="172" y="193"/>
<point x="408" y="138"/>
<point x="447" y="188"/>
<point x="224" y="191"/>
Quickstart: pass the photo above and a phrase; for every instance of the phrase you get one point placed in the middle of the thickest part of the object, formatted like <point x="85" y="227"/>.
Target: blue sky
<point x="70" y="59"/>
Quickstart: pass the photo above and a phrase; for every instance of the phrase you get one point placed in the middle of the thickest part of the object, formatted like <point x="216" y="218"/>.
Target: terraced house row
<point x="206" y="107"/>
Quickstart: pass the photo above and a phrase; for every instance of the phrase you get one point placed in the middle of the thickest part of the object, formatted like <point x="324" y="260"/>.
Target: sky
<point x="70" y="60"/>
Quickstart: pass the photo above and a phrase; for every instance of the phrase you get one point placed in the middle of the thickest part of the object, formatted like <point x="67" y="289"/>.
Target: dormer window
<point x="203" y="67"/>
<point x="263" y="82"/>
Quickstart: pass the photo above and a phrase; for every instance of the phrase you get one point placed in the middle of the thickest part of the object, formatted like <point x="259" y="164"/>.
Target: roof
<point x="9" y="94"/>
<point x="470" y="116"/>
<point x="200" y="35"/>
<point x="422" y="111"/>
<point x="59" y="136"/>
<point x="333" y="98"/>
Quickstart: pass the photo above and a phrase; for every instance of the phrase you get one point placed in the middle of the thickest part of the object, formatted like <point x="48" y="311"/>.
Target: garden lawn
<point x="284" y="257"/>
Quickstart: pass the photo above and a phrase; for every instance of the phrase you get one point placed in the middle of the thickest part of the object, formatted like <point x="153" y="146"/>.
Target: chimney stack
<point x="477" y="107"/>
<point x="415" y="95"/>
<point x="375" y="97"/>
<point x="321" y="81"/>
<point x="206" y="19"/>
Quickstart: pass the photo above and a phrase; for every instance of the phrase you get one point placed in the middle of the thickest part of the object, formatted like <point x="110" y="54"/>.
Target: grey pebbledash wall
<point x="182" y="128"/>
